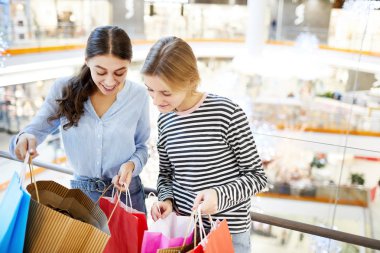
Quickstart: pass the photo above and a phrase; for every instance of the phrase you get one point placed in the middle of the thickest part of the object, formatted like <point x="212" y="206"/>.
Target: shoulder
<point x="62" y="82"/>
<point x="137" y="89"/>
<point x="58" y="85"/>
<point x="220" y="102"/>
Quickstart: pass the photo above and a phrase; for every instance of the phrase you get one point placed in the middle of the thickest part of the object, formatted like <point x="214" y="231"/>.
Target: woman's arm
<point x="140" y="157"/>
<point x="252" y="178"/>
<point x="39" y="127"/>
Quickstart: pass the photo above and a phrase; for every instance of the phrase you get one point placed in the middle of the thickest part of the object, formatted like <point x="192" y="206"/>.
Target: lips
<point x="109" y="88"/>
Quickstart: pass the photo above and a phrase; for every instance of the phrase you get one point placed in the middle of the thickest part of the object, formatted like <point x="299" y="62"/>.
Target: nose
<point x="109" y="80"/>
<point x="156" y="98"/>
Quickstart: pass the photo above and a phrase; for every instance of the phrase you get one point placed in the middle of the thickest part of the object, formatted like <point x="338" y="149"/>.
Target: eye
<point x="149" y="90"/>
<point x="166" y="94"/>
<point x="101" y="74"/>
<point x="119" y="73"/>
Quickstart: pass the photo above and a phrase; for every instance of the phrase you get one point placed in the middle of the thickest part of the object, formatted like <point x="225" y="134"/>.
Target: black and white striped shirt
<point x="210" y="147"/>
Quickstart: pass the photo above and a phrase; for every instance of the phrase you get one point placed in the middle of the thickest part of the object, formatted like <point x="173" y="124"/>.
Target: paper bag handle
<point x="28" y="163"/>
<point x="104" y="192"/>
<point x="192" y="220"/>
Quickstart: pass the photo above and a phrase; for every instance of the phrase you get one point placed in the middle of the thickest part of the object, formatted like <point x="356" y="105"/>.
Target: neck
<point x="190" y="102"/>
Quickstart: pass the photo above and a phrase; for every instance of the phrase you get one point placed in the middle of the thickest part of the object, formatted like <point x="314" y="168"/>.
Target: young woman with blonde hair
<point x="207" y="154"/>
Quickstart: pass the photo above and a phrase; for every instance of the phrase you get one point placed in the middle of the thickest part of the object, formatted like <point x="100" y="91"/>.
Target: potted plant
<point x="357" y="179"/>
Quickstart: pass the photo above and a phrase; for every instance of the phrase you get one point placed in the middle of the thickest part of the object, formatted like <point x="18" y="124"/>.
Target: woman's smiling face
<point x="108" y="73"/>
<point x="163" y="96"/>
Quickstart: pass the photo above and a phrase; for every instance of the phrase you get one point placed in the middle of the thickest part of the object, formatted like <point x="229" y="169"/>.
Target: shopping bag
<point x="218" y="240"/>
<point x="14" y="209"/>
<point x="126" y="224"/>
<point x="197" y="249"/>
<point x="168" y="233"/>
<point x="179" y="249"/>
<point x="64" y="220"/>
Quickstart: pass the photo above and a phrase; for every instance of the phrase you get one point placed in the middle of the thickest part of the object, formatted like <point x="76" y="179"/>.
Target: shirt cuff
<point x="138" y="167"/>
<point x="13" y="144"/>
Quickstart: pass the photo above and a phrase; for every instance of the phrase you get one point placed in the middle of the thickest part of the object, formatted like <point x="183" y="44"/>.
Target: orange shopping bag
<point x="218" y="239"/>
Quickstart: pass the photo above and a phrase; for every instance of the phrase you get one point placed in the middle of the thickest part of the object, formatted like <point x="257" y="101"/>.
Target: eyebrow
<point x="159" y="90"/>
<point x="97" y="66"/>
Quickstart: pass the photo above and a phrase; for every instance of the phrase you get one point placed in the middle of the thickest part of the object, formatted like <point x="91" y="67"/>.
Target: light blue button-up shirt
<point x="97" y="147"/>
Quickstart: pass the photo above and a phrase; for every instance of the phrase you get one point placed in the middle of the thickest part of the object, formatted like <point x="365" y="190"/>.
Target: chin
<point x="165" y="110"/>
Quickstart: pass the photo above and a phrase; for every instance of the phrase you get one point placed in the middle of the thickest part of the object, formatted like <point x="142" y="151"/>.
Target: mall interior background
<point x="306" y="72"/>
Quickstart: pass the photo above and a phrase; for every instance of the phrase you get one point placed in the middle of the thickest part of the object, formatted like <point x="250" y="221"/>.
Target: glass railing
<point x="333" y="236"/>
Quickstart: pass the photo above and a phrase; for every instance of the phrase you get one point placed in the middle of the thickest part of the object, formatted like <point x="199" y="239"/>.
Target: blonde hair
<point x="172" y="60"/>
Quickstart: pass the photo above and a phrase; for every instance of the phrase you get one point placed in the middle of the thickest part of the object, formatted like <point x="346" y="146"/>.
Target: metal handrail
<point x="49" y="166"/>
<point x="258" y="217"/>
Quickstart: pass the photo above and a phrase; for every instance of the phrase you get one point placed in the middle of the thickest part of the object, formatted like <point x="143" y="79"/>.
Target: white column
<point x="256" y="27"/>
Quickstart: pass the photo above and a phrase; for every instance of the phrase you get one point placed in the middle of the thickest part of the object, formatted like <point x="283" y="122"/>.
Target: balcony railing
<point x="258" y="217"/>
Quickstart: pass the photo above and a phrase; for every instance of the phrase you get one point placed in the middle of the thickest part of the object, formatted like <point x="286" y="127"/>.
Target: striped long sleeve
<point x="164" y="183"/>
<point x="251" y="178"/>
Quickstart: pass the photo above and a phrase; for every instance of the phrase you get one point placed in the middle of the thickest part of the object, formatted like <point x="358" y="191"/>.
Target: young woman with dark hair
<point x="104" y="119"/>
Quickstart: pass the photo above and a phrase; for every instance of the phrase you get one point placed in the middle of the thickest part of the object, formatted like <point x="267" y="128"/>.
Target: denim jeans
<point x="94" y="187"/>
<point x="242" y="242"/>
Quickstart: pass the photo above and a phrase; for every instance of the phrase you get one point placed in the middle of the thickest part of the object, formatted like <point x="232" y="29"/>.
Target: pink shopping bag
<point x="167" y="233"/>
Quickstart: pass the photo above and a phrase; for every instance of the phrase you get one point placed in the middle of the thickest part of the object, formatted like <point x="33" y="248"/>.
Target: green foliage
<point x="357" y="178"/>
<point x="319" y="161"/>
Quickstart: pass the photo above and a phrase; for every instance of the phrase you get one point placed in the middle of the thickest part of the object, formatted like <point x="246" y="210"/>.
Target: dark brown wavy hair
<point x="103" y="40"/>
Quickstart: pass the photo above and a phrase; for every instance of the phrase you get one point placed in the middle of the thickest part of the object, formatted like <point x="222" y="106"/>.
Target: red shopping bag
<point x="142" y="224"/>
<point x="126" y="225"/>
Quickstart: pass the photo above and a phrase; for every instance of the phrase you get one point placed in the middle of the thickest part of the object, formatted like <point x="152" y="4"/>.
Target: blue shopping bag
<point x="14" y="209"/>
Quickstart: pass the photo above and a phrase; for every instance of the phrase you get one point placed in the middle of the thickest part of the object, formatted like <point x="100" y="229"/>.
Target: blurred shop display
<point x="194" y="20"/>
<point x="337" y="24"/>
<point x="356" y="26"/>
<point x="66" y="24"/>
<point x="3" y="47"/>
<point x="19" y="103"/>
<point x="261" y="229"/>
<point x="19" y="20"/>
<point x="30" y="21"/>
<point x="323" y="245"/>
<point x="292" y="17"/>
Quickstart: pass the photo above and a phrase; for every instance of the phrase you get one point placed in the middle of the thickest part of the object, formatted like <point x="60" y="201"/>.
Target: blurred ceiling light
<point x="20" y="7"/>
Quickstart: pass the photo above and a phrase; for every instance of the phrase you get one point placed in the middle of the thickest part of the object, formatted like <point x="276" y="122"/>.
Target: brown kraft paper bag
<point x="64" y="220"/>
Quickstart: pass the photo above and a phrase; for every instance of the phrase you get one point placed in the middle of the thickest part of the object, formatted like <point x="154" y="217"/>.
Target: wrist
<point x="169" y="201"/>
<point x="19" y="135"/>
<point x="129" y="166"/>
